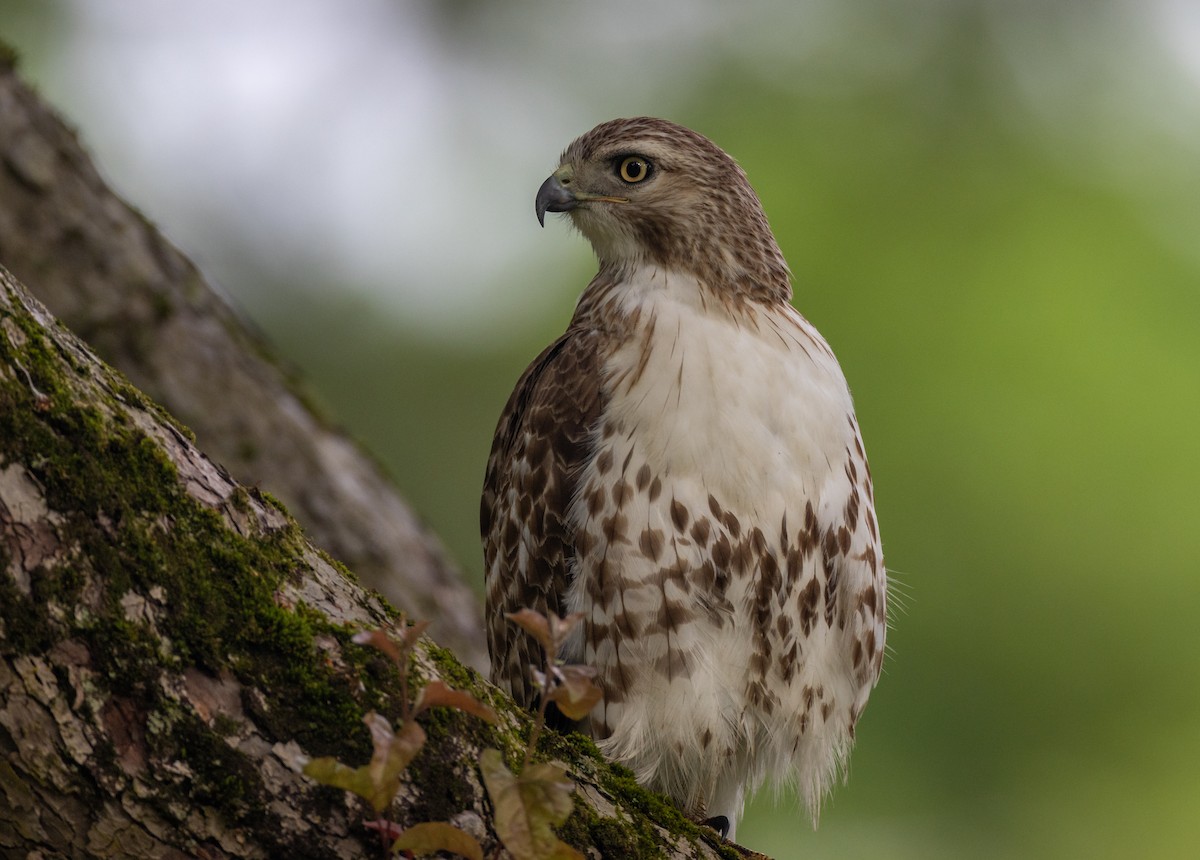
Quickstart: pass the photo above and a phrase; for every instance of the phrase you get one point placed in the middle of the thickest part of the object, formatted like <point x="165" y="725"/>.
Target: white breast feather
<point x="753" y="412"/>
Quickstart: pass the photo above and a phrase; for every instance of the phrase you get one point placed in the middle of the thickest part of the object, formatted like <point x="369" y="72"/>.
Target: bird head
<point x="649" y="191"/>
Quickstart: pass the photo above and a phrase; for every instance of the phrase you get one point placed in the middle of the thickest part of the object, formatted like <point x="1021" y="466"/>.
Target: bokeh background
<point x="992" y="210"/>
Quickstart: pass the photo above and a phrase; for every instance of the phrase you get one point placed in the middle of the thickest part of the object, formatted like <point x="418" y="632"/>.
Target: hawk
<point x="683" y="466"/>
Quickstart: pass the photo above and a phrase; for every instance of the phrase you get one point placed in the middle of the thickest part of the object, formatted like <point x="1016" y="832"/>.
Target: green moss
<point x="337" y="565"/>
<point x="610" y="836"/>
<point x="619" y="783"/>
<point x="635" y="835"/>
<point x="125" y="655"/>
<point x="444" y="789"/>
<point x="574" y="747"/>
<point x="273" y="502"/>
<point x="62" y="585"/>
<point x="207" y="597"/>
<point x="26" y="627"/>
<point x="38" y="363"/>
<point x="225" y="726"/>
<point x="240" y="500"/>
<point x="221" y="777"/>
<point x="454" y="672"/>
<point x="124" y="391"/>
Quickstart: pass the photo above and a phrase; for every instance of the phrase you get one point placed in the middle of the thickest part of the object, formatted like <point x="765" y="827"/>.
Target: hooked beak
<point x="555" y="196"/>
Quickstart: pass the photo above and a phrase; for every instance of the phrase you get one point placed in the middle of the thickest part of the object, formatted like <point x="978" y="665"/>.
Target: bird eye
<point x="633" y="169"/>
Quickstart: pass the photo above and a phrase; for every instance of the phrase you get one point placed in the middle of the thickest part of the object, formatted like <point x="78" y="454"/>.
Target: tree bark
<point x="113" y="278"/>
<point x="172" y="649"/>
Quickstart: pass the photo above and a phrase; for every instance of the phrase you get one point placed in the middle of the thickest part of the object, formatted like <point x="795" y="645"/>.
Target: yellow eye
<point x="633" y="169"/>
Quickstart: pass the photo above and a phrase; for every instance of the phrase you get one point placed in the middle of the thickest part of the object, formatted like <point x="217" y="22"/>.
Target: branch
<point x="113" y="278"/>
<point x="172" y="650"/>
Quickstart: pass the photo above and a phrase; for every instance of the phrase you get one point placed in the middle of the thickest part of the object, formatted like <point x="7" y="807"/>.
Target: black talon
<point x="719" y="823"/>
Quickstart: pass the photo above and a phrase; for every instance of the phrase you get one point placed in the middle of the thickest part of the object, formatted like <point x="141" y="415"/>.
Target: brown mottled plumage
<point x="684" y="467"/>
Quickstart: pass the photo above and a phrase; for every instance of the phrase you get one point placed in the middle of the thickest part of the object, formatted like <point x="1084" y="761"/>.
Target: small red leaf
<point x="410" y="635"/>
<point x="380" y="641"/>
<point x="437" y="694"/>
<point x="560" y="627"/>
<point x="535" y="624"/>
<point x="389" y="829"/>
<point x="576" y="693"/>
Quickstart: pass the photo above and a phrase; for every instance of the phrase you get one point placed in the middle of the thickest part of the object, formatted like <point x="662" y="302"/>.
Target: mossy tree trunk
<point x="172" y="648"/>
<point x="111" y="276"/>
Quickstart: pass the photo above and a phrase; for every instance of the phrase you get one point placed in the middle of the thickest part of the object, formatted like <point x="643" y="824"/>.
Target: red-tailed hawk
<point x="684" y="467"/>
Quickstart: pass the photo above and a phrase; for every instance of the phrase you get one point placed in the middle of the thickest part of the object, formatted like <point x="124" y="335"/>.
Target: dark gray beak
<point x="553" y="196"/>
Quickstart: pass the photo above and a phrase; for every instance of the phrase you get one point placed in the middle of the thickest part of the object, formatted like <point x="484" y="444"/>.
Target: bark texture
<point x="111" y="276"/>
<point x="171" y="648"/>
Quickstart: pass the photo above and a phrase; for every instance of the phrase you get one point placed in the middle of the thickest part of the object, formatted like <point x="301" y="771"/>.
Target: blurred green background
<point x="992" y="210"/>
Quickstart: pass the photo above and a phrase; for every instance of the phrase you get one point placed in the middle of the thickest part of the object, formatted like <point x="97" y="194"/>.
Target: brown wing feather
<point x="542" y="440"/>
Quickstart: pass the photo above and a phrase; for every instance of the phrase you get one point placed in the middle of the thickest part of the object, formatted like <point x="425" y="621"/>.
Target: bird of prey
<point x="683" y="466"/>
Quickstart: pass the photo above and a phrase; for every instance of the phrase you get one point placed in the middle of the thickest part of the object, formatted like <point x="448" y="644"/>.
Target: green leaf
<point x="327" y="770"/>
<point x="377" y="781"/>
<point x="431" y="837"/>
<point x="528" y="807"/>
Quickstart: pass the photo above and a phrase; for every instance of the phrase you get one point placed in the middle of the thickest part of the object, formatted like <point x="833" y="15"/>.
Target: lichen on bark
<point x="172" y="649"/>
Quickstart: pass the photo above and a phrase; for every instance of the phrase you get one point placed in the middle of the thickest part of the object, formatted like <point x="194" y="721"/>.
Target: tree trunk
<point x="110" y="276"/>
<point x="172" y="649"/>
